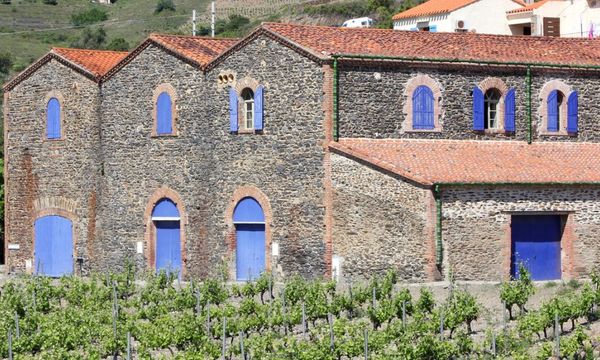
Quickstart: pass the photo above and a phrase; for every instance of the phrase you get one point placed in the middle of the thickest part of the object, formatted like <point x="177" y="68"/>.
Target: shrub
<point x="5" y="63"/>
<point x="118" y="44"/>
<point x="90" y="16"/>
<point x="50" y="2"/>
<point x="164" y="5"/>
<point x="91" y="39"/>
<point x="517" y="292"/>
<point x="7" y="2"/>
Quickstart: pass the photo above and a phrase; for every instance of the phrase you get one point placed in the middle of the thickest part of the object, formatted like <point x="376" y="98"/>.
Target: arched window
<point x="53" y="250"/>
<point x="423" y="108"/>
<point x="167" y="225"/>
<point x="491" y="119"/>
<point x="53" y="122"/>
<point x="164" y="114"/>
<point x="248" y="108"/>
<point x="249" y="221"/>
<point x="556" y="110"/>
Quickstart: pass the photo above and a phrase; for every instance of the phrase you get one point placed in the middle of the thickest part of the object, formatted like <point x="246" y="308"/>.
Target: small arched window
<point x="53" y="123"/>
<point x="164" y="114"/>
<point x="491" y="109"/>
<point x="423" y="108"/>
<point x="248" y="108"/>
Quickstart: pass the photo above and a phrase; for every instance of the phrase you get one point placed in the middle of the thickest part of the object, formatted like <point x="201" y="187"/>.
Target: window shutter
<point x="477" y="109"/>
<point x="258" y="108"/>
<point x="423" y="103"/>
<point x="53" y="119"/>
<point x="509" y="111"/>
<point x="553" y="111"/>
<point x="233" y="110"/>
<point x="573" y="111"/>
<point x="164" y="114"/>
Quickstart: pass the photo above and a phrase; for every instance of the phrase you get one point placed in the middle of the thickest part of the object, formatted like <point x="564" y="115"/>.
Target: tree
<point x="164" y="5"/>
<point x="5" y="63"/>
<point x="118" y="44"/>
<point x="91" y="39"/>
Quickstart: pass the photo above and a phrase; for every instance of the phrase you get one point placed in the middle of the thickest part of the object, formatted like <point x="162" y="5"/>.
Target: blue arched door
<point x="168" y="236"/>
<point x="249" y="221"/>
<point x="53" y="253"/>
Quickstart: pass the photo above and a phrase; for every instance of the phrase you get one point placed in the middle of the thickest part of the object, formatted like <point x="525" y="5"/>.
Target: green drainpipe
<point x="336" y="134"/>
<point x="529" y="116"/>
<point x="439" y="250"/>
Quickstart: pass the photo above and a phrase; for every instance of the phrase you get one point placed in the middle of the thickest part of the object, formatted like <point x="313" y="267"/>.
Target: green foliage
<point x="118" y="44"/>
<point x="162" y="5"/>
<point x="234" y="26"/>
<point x="91" y="39"/>
<point x="356" y="8"/>
<point x="50" y="2"/>
<point x="6" y="61"/>
<point x="89" y="17"/>
<point x="517" y="292"/>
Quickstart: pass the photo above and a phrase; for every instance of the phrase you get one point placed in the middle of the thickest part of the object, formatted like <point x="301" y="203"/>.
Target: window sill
<point x="51" y="141"/>
<point x="423" y="130"/>
<point x="494" y="132"/>
<point x="164" y="135"/>
<point x="248" y="132"/>
<point x="557" y="133"/>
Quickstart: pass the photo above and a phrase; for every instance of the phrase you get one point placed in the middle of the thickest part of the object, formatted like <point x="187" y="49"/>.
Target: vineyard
<point x="157" y="317"/>
<point x="254" y="8"/>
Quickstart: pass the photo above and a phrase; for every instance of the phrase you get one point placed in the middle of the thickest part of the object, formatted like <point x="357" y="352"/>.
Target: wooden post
<point x="242" y="345"/>
<point x="442" y="324"/>
<point x="493" y="343"/>
<point x="331" y="339"/>
<point x="18" y="331"/>
<point x="366" y="344"/>
<point x="10" y="352"/>
<point x="197" y="302"/>
<point x="556" y="336"/>
<point x="128" y="345"/>
<point x="224" y="336"/>
<point x="404" y="313"/>
<point x="303" y="320"/>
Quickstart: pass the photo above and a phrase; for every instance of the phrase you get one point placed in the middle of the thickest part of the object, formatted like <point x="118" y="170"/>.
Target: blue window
<point x="555" y="102"/>
<point x="53" y="250"/>
<point x="164" y="114"/>
<point x="252" y="109"/>
<point x="167" y="223"/>
<point x="573" y="113"/>
<point x="423" y="105"/>
<point x="249" y="220"/>
<point x="53" y="123"/>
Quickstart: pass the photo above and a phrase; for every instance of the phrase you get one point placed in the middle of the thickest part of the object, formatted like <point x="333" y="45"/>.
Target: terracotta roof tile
<point x="530" y="7"/>
<point x="96" y="62"/>
<point x="434" y="7"/>
<point x="201" y="50"/>
<point x="323" y="41"/>
<point x="462" y="161"/>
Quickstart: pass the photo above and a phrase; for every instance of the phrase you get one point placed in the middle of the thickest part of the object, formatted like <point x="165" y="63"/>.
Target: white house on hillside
<point x="482" y="16"/>
<point x="565" y="18"/>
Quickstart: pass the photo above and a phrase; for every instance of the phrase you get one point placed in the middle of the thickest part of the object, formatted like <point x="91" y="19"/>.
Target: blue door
<point x="168" y="237"/>
<point x="53" y="253"/>
<point x="249" y="221"/>
<point x="536" y="245"/>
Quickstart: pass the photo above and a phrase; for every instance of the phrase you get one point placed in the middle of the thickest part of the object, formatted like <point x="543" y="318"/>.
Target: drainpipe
<point x="529" y="116"/>
<point x="336" y="134"/>
<point x="439" y="251"/>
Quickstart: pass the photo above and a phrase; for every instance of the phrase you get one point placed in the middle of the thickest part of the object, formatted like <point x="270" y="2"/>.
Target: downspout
<point x="336" y="134"/>
<point x="529" y="116"/>
<point x="439" y="251"/>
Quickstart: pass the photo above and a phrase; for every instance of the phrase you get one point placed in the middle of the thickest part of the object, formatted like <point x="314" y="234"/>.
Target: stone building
<point x="311" y="150"/>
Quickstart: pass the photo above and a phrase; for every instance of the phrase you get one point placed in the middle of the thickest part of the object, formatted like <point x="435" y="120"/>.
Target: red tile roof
<point x="201" y="50"/>
<point x="96" y="62"/>
<point x="428" y="162"/>
<point x="530" y="7"/>
<point x="322" y="42"/>
<point x="435" y="7"/>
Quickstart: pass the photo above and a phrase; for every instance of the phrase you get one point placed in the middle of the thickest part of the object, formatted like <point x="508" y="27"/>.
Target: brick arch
<point x="545" y="91"/>
<point x="61" y="101"/>
<point x="496" y="83"/>
<point x="246" y="82"/>
<point x="169" y="89"/>
<point x="150" y="230"/>
<point x="263" y="200"/>
<point x="411" y="86"/>
<point x="48" y="209"/>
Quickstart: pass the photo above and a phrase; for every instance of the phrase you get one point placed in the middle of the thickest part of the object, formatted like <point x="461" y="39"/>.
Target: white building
<point x="482" y="16"/>
<point x="565" y="18"/>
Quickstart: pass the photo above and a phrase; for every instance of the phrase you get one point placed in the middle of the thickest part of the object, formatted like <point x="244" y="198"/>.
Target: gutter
<point x="528" y="106"/>
<point x="336" y="133"/>
<point x="439" y="250"/>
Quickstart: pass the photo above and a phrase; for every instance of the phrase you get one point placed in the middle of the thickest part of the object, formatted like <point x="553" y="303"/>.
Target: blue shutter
<point x="53" y="119"/>
<point x="233" y="110"/>
<point x="423" y="104"/>
<point x="509" y="111"/>
<point x="478" y="109"/>
<point x="258" y="108"/>
<point x="573" y="111"/>
<point x="432" y="28"/>
<point x="164" y="114"/>
<point x="553" y="111"/>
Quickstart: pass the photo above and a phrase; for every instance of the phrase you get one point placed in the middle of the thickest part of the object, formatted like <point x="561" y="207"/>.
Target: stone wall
<point x="372" y="101"/>
<point x="476" y="228"/>
<point x="208" y="167"/>
<point x="46" y="177"/>
<point x="381" y="222"/>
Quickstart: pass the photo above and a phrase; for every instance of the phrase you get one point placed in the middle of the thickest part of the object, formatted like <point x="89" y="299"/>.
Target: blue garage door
<point x="536" y="245"/>
<point x="53" y="246"/>
<point x="168" y="236"/>
<point x="249" y="221"/>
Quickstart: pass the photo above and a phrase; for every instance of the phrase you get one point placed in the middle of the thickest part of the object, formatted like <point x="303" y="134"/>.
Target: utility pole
<point x="212" y="18"/>
<point x="194" y="22"/>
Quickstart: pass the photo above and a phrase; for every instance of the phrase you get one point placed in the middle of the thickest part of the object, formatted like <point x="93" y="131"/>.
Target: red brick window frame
<point x="242" y="84"/>
<point x="565" y="91"/>
<point x="498" y="84"/>
<point x="61" y="101"/>
<point x="150" y="228"/>
<point x="263" y="200"/>
<point x="411" y="86"/>
<point x="169" y="89"/>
